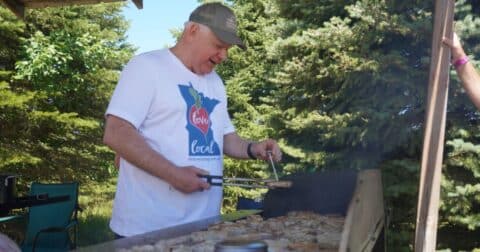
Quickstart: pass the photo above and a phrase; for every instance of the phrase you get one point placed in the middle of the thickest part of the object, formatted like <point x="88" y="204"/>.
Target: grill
<point x="357" y="197"/>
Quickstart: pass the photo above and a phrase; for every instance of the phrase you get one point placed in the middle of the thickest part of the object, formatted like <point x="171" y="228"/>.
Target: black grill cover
<point x="326" y="192"/>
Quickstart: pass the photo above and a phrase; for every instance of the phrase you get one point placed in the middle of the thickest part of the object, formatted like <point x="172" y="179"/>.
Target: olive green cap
<point x="221" y="20"/>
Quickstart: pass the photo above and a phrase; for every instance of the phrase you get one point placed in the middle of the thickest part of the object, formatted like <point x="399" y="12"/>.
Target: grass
<point x="240" y="214"/>
<point x="96" y="201"/>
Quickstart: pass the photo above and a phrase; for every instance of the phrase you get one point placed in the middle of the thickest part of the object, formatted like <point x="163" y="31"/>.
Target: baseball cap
<point x="221" y="20"/>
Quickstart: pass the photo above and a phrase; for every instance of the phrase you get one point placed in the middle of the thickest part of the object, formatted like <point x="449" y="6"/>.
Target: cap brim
<point x="229" y="38"/>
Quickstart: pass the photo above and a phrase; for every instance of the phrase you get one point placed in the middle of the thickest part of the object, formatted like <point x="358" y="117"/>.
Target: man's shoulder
<point x="151" y="57"/>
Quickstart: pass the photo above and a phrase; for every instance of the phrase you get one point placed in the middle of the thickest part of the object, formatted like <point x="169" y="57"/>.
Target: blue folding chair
<point x="52" y="227"/>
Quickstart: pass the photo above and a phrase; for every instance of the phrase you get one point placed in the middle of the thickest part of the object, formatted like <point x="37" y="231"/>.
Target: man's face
<point x="210" y="51"/>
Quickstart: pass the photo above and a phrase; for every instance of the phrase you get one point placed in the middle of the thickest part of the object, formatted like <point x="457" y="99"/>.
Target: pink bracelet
<point x="460" y="62"/>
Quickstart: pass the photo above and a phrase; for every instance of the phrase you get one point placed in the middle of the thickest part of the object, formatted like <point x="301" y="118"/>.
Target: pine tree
<point x="246" y="78"/>
<point x="343" y="85"/>
<point x="460" y="204"/>
<point x="62" y="73"/>
<point x="351" y="93"/>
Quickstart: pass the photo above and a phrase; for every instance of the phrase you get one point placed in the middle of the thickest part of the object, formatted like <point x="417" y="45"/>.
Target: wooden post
<point x="433" y="142"/>
<point x="16" y="7"/>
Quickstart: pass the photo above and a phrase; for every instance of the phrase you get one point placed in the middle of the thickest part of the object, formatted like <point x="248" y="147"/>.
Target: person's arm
<point x="471" y="82"/>
<point x="125" y="140"/>
<point x="466" y="72"/>
<point x="236" y="147"/>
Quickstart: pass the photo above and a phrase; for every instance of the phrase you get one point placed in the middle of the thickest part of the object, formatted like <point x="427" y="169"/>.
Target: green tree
<point x="66" y="65"/>
<point x="246" y="78"/>
<point x="343" y="84"/>
<point x="13" y="100"/>
<point x="351" y="95"/>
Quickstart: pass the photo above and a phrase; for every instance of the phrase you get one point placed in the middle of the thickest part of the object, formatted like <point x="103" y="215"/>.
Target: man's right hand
<point x="186" y="180"/>
<point x="455" y="46"/>
<point x="125" y="140"/>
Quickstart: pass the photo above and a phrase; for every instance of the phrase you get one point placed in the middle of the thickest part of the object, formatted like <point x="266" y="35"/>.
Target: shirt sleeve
<point x="134" y="93"/>
<point x="229" y="128"/>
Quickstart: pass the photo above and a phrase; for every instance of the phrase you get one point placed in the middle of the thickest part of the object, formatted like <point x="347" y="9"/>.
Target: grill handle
<point x="210" y="179"/>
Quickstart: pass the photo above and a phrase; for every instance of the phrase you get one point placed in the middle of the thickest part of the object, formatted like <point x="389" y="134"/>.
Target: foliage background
<point x="57" y="72"/>
<point x="341" y="84"/>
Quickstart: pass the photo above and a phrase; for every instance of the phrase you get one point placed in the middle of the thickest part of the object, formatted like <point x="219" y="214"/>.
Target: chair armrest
<point x="58" y="229"/>
<point x="10" y="218"/>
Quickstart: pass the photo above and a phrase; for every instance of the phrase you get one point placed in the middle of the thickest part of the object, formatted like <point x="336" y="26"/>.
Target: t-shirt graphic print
<point x="200" y="136"/>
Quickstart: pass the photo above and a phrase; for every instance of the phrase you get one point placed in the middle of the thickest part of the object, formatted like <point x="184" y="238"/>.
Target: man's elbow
<point x="108" y="134"/>
<point x="117" y="131"/>
<point x="108" y="139"/>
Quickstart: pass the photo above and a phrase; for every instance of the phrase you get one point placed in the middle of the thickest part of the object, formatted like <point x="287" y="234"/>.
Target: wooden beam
<point x="138" y="3"/>
<point x="52" y="3"/>
<point x="16" y="7"/>
<point x="58" y="3"/>
<point x="365" y="216"/>
<point x="433" y="142"/>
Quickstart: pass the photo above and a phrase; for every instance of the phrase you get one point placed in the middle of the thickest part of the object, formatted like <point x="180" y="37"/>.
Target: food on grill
<point x="297" y="231"/>
<point x="279" y="184"/>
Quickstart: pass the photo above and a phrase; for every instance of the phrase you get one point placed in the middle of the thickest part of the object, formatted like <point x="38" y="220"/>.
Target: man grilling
<point x="168" y="121"/>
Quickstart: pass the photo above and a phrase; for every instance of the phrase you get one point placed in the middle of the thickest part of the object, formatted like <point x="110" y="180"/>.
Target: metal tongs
<point x="249" y="182"/>
<point x="245" y="182"/>
<point x="269" y="153"/>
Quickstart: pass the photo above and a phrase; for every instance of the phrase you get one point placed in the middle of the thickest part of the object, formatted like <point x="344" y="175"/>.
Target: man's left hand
<point x="261" y="149"/>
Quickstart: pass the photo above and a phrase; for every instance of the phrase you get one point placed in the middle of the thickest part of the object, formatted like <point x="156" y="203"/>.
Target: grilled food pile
<point x="297" y="231"/>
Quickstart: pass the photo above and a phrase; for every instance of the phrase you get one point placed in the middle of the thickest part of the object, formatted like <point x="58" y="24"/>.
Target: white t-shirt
<point x="182" y="116"/>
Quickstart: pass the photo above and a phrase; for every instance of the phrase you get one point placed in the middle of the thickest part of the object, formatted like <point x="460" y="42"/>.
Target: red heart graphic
<point x="198" y="116"/>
